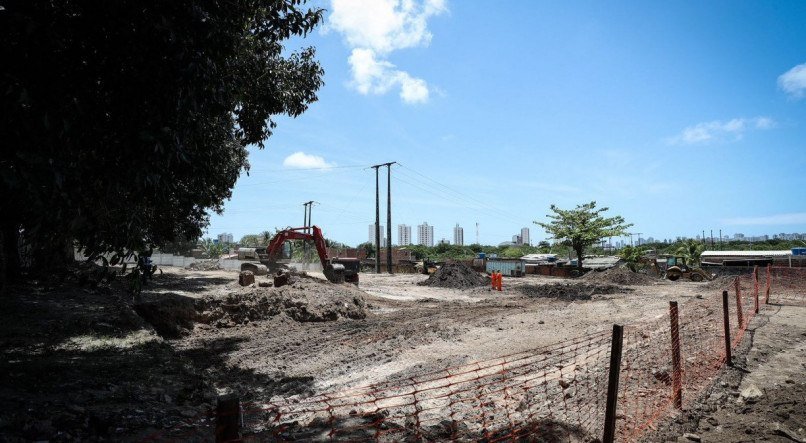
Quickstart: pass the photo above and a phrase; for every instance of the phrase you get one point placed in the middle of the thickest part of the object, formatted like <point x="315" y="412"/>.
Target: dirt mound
<point x="571" y="291"/>
<point x="724" y="282"/>
<point x="171" y="315"/>
<point x="618" y="276"/>
<point x="455" y="275"/>
<point x="204" y="265"/>
<point x="306" y="300"/>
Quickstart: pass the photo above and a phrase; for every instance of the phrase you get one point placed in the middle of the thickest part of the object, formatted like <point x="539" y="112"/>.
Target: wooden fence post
<point x="228" y="419"/>
<point x="769" y="284"/>
<point x="677" y="384"/>
<point x="612" y="384"/>
<point x="755" y="289"/>
<point x="737" y="284"/>
<point x="726" y="322"/>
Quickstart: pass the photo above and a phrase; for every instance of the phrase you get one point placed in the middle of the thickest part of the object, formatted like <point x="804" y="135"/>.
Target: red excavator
<point x="336" y="270"/>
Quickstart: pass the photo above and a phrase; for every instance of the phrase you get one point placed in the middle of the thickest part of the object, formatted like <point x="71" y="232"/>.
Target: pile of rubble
<point x="455" y="275"/>
<point x="304" y="299"/>
<point x="571" y="291"/>
<point x="204" y="265"/>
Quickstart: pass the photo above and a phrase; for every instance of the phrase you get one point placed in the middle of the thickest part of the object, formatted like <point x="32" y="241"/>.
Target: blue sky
<point x="679" y="116"/>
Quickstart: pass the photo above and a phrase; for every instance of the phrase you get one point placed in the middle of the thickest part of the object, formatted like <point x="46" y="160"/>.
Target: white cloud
<point x="301" y="160"/>
<point x="715" y="131"/>
<point x="793" y="82"/>
<point x="375" y="28"/>
<point x="373" y="76"/>
<point x="384" y="25"/>
<point x="796" y="218"/>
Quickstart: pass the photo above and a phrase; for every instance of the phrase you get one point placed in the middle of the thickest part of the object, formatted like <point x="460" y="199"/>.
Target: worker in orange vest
<point x="494" y="280"/>
<point x="500" y="280"/>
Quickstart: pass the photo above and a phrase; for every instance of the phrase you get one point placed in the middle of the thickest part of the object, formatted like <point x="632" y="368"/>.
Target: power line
<point x="459" y="196"/>
<point x="466" y="196"/>
<point x="324" y="168"/>
<point x="465" y="203"/>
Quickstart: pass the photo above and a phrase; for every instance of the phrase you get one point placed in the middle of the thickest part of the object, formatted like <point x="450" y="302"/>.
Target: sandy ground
<point x="84" y="365"/>
<point x="412" y="329"/>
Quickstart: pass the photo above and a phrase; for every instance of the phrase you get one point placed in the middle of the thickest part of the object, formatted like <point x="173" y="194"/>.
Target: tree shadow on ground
<point x="189" y="284"/>
<point x="80" y="364"/>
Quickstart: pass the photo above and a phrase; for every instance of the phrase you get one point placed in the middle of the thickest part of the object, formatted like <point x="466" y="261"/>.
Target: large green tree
<point x="582" y="227"/>
<point x="126" y="122"/>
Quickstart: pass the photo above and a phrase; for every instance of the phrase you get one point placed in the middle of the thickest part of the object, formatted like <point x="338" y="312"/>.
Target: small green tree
<point x="632" y="255"/>
<point x="369" y="248"/>
<point x="212" y="248"/>
<point x="582" y="227"/>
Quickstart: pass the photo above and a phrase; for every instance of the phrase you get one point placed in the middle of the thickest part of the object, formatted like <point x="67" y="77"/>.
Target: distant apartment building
<point x="371" y="238"/>
<point x="525" y="240"/>
<point x="738" y="236"/>
<point x="516" y="240"/>
<point x="444" y="241"/>
<point x="225" y="238"/>
<point x="425" y="234"/>
<point x="458" y="235"/>
<point x="403" y="235"/>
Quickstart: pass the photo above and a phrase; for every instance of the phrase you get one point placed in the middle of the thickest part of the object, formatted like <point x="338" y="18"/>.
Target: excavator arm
<point x="333" y="272"/>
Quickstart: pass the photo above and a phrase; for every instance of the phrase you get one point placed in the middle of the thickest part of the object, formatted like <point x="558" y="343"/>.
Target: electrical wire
<point x="462" y="195"/>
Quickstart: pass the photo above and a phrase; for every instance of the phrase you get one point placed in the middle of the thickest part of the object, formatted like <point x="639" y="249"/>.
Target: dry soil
<point x="96" y="363"/>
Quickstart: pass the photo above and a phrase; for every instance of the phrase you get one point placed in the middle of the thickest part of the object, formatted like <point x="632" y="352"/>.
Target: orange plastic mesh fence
<point x="646" y="382"/>
<point x="554" y="391"/>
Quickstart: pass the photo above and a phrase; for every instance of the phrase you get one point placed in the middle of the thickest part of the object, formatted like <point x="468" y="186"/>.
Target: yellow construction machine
<point x="676" y="268"/>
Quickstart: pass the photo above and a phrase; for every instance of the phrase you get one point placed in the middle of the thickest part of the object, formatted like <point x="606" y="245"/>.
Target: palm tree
<point x="266" y="237"/>
<point x="691" y="250"/>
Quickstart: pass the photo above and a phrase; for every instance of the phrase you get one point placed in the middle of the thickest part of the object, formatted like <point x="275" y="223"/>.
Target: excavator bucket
<point x="334" y="273"/>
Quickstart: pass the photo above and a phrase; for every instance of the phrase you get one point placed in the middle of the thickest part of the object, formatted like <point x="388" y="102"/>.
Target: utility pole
<point x="477" y="233"/>
<point x="712" y="239"/>
<point x="378" y="220"/>
<point x="308" y="207"/>
<point x="389" y="216"/>
<point x="720" y="239"/>
<point x="377" y="223"/>
<point x="306" y="224"/>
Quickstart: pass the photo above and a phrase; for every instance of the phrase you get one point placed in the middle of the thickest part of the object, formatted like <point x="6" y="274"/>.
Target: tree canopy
<point x="691" y="250"/>
<point x="583" y="226"/>
<point x="130" y="120"/>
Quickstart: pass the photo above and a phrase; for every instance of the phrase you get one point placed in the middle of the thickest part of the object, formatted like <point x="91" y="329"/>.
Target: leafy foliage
<point x="369" y="248"/>
<point x="183" y="247"/>
<point x="131" y="120"/>
<point x="213" y="249"/>
<point x="632" y="255"/>
<point x="691" y="250"/>
<point x="251" y="241"/>
<point x="583" y="226"/>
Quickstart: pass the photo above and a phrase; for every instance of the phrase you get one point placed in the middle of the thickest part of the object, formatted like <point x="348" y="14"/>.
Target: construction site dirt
<point x="90" y="363"/>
